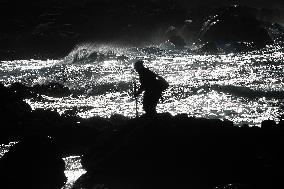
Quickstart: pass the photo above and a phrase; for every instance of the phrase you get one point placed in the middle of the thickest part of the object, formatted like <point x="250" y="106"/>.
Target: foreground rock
<point x="185" y="152"/>
<point x="12" y="106"/>
<point x="19" y="120"/>
<point x="162" y="152"/>
<point x="34" y="162"/>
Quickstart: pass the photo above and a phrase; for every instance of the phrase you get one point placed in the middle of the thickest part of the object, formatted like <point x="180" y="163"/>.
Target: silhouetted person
<point x="152" y="84"/>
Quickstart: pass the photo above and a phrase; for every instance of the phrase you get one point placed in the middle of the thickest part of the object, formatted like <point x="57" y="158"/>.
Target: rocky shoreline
<point x="162" y="152"/>
<point x="51" y="30"/>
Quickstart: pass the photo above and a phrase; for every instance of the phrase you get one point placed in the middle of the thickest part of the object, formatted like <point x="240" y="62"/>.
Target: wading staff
<point x="136" y="98"/>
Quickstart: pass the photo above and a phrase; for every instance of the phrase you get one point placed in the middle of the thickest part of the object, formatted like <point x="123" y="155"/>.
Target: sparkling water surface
<point x="243" y="88"/>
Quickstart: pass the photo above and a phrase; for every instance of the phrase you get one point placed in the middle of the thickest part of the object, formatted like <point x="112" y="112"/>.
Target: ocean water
<point x="244" y="87"/>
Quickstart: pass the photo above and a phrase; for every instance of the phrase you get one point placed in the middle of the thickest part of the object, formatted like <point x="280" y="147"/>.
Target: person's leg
<point x="150" y="102"/>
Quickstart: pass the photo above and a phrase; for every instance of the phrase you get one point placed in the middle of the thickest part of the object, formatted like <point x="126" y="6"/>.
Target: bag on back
<point x="162" y="84"/>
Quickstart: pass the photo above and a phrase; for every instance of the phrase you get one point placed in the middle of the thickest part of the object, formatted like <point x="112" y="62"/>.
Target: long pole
<point x="136" y="99"/>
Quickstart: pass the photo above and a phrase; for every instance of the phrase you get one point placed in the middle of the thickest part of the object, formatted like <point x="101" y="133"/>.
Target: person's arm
<point x="163" y="79"/>
<point x="159" y="77"/>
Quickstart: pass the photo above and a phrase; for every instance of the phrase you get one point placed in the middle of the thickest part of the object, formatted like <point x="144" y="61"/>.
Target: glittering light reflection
<point x="103" y="87"/>
<point x="4" y="148"/>
<point x="73" y="170"/>
<point x="222" y="106"/>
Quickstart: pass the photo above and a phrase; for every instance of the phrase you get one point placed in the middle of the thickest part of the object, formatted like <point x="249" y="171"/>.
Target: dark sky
<point x="258" y="3"/>
<point x="270" y="4"/>
<point x="189" y="3"/>
<point x="254" y="3"/>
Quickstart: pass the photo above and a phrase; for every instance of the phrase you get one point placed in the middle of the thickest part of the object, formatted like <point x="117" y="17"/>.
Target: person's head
<point x="138" y="65"/>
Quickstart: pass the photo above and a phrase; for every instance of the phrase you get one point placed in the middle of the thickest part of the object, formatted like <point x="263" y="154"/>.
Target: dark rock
<point x="46" y="117"/>
<point x="268" y="124"/>
<point x="181" y="151"/>
<point x="52" y="89"/>
<point x="94" y="55"/>
<point x="52" y="29"/>
<point x="12" y="106"/>
<point x="247" y="92"/>
<point x="148" y="154"/>
<point x="277" y="32"/>
<point x="178" y="41"/>
<point x="235" y="24"/>
<point x="34" y="162"/>
<point x="22" y="91"/>
<point x="190" y="30"/>
<point x="98" y="123"/>
<point x="171" y="31"/>
<point x="245" y="126"/>
<point x="209" y="47"/>
<point x="281" y="124"/>
<point x="18" y="120"/>
<point x="228" y="123"/>
<point x="7" y="54"/>
<point x="174" y="37"/>
<point x="118" y="119"/>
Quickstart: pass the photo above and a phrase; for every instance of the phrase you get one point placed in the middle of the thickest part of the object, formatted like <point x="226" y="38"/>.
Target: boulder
<point x="209" y="47"/>
<point x="277" y="32"/>
<point x="12" y="106"/>
<point x="52" y="89"/>
<point x="235" y="24"/>
<point x="33" y="163"/>
<point x="178" y="41"/>
<point x="21" y="91"/>
<point x="268" y="124"/>
<point x="174" y="37"/>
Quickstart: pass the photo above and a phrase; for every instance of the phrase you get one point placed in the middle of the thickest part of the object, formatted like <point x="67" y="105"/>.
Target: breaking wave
<point x="101" y="77"/>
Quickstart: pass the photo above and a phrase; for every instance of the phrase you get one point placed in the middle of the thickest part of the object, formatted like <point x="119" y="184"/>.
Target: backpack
<point x="162" y="84"/>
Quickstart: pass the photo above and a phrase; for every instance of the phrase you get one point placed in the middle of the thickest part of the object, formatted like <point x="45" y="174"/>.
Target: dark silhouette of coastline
<point x="145" y="152"/>
<point x="50" y="30"/>
<point x="165" y="152"/>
